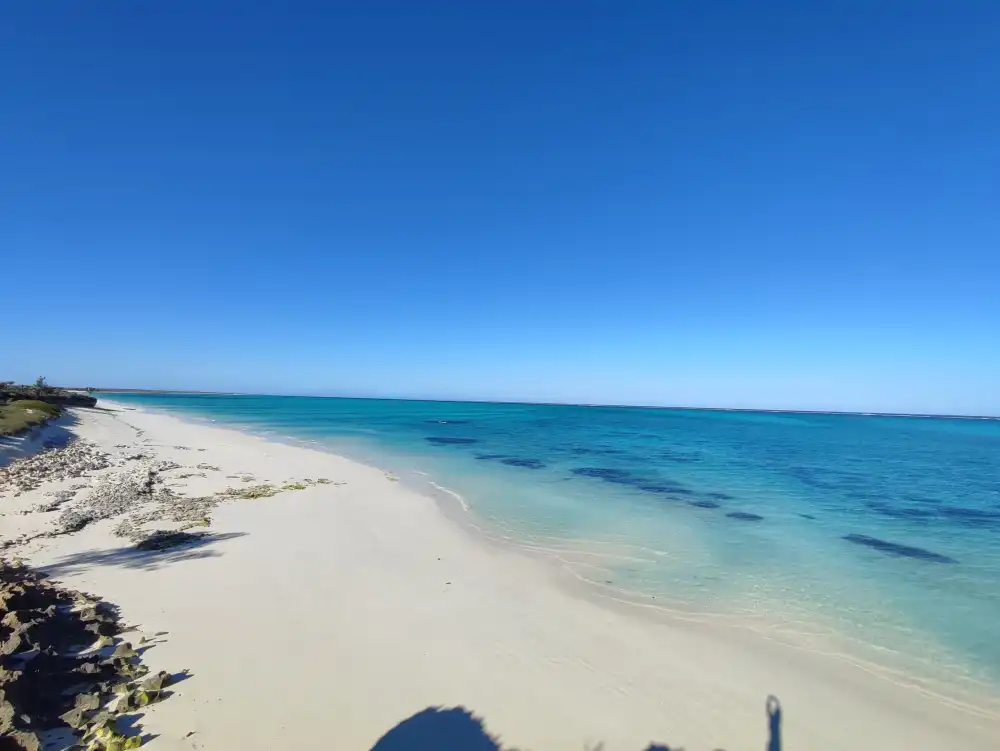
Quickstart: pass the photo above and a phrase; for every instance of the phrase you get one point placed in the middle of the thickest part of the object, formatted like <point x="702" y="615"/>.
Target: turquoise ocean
<point x="875" y="538"/>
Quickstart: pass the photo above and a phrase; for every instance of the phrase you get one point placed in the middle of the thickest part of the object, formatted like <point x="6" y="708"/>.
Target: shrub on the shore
<point x="40" y="390"/>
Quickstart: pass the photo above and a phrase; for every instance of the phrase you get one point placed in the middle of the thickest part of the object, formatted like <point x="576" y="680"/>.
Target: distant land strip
<point x="761" y="410"/>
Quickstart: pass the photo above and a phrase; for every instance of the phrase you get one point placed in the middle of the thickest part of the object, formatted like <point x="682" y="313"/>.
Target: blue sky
<point x="717" y="204"/>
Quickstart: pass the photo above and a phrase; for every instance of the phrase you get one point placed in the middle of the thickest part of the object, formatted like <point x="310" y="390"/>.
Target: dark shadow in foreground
<point x="458" y="729"/>
<point x="131" y="557"/>
<point x="773" y="723"/>
<point x="436" y="729"/>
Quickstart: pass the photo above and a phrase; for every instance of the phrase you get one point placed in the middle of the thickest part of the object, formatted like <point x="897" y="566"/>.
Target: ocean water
<point x="873" y="538"/>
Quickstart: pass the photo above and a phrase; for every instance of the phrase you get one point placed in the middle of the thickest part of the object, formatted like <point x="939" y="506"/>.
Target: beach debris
<point x="46" y="681"/>
<point x="267" y="490"/>
<point x="72" y="521"/>
<point x="132" y="490"/>
<point x="251" y="493"/>
<point x="208" y="467"/>
<point x="58" y="499"/>
<point x="110" y="496"/>
<point x="57" y="463"/>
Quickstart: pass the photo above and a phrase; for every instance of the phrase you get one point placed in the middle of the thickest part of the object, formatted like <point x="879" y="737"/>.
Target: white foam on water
<point x="458" y="496"/>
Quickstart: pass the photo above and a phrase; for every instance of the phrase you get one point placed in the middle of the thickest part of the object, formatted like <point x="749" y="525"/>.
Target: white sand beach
<point x="321" y="618"/>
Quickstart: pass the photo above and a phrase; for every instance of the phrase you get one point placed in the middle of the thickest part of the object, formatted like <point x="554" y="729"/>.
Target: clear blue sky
<point x="775" y="204"/>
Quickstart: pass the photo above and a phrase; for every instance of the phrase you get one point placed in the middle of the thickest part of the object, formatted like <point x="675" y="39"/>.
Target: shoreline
<point x="610" y="675"/>
<point x="816" y="638"/>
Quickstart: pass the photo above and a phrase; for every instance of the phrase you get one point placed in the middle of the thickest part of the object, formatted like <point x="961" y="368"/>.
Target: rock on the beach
<point x="46" y="683"/>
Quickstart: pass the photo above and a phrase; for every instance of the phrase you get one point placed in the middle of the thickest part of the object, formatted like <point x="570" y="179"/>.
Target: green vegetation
<point x="41" y="391"/>
<point x="16" y="417"/>
<point x="252" y="492"/>
<point x="50" y="409"/>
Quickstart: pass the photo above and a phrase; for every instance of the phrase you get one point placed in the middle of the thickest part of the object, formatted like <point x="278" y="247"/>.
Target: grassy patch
<point x="18" y="416"/>
<point x="51" y="410"/>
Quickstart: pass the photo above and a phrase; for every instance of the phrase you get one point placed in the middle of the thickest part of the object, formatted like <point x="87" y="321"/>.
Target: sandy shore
<point x="324" y="617"/>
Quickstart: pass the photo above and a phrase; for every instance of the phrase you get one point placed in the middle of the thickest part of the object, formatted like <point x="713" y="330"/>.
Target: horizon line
<point x="857" y="413"/>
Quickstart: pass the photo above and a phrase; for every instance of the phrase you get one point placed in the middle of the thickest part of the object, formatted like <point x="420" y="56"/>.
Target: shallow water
<point x="875" y="537"/>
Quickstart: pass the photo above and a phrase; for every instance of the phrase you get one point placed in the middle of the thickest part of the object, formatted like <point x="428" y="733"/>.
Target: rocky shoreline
<point x="65" y="672"/>
<point x="66" y="676"/>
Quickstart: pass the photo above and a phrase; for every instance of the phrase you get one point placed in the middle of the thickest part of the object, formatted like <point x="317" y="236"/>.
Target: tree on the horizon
<point x="41" y="386"/>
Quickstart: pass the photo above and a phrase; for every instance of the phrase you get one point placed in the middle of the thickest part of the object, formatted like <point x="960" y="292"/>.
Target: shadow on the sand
<point x="458" y="729"/>
<point x="774" y="723"/>
<point x="130" y="557"/>
<point x="53" y="434"/>
<point x="437" y="728"/>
